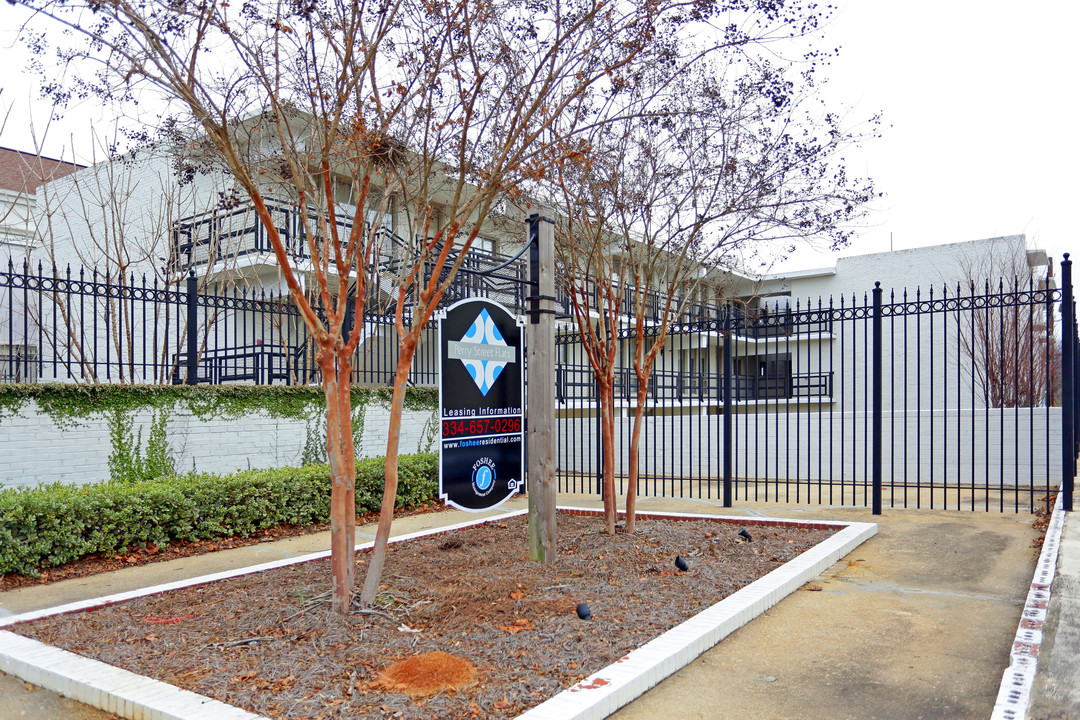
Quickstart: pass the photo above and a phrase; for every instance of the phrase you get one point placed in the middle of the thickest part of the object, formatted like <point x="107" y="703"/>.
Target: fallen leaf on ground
<point x="517" y="626"/>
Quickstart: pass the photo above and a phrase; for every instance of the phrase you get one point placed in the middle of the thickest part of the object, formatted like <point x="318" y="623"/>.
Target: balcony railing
<point x="235" y="233"/>
<point x="225" y="234"/>
<point x="232" y="233"/>
<point x="257" y="364"/>
<point x="577" y="383"/>
<point x="762" y="324"/>
<point x="752" y="323"/>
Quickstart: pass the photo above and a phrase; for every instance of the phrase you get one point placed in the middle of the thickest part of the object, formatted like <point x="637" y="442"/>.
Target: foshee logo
<point x="483" y="351"/>
<point x="483" y="476"/>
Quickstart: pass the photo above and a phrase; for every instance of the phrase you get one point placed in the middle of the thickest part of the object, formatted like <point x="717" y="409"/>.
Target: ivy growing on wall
<point x="127" y="461"/>
<point x="314" y="451"/>
<point x="70" y="405"/>
<point x="67" y="405"/>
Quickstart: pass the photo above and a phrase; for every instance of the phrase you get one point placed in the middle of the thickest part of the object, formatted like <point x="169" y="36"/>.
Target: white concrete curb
<point x="1019" y="677"/>
<point x="601" y="694"/>
<point x="107" y="687"/>
<point x="133" y="696"/>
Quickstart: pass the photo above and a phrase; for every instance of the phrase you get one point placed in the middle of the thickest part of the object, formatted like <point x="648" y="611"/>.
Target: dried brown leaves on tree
<point x="728" y="154"/>
<point x="438" y="112"/>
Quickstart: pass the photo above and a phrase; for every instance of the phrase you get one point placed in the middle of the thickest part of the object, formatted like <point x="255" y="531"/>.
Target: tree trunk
<point x="607" y="439"/>
<point x="386" y="511"/>
<point x="635" y="435"/>
<point x="342" y="459"/>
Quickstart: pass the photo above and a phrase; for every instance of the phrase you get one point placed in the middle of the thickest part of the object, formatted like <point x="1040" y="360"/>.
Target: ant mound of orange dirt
<point x="428" y="674"/>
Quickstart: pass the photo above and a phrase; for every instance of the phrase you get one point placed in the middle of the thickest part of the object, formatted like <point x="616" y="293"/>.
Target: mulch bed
<point x="268" y="642"/>
<point x="1041" y="522"/>
<point x="99" y="562"/>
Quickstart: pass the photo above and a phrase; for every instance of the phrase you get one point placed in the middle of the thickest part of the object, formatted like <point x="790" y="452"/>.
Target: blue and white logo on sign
<point x="483" y="351"/>
<point x="483" y="476"/>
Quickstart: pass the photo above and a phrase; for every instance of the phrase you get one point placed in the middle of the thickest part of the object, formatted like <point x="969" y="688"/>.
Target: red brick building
<point x="23" y="172"/>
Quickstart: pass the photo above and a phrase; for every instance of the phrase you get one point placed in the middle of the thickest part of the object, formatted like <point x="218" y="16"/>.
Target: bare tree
<point x="594" y="279"/>
<point x="725" y="156"/>
<point x="1014" y="358"/>
<point x="115" y="221"/>
<point x="25" y="173"/>
<point x="442" y="108"/>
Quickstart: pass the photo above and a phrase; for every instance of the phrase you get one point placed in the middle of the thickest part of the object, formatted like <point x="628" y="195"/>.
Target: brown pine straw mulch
<point x="268" y="642"/>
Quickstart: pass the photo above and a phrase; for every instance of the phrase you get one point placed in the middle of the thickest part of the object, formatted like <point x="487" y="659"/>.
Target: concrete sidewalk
<point x="918" y="622"/>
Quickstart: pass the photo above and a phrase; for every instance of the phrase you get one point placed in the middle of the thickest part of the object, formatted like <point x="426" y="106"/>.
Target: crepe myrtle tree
<point x="443" y="109"/>
<point x="730" y="155"/>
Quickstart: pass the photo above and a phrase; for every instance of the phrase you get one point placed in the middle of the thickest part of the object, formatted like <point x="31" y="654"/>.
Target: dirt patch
<point x="268" y="643"/>
<point x="427" y="674"/>
<point x="99" y="562"/>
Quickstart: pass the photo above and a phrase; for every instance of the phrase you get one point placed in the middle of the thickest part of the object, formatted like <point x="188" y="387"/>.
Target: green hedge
<point x="53" y="524"/>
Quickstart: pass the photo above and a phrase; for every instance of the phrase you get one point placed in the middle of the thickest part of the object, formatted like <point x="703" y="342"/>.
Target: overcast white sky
<point x="979" y="100"/>
<point x="980" y="108"/>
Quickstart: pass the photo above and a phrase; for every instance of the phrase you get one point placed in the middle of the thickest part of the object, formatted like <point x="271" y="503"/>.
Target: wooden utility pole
<point x="541" y="389"/>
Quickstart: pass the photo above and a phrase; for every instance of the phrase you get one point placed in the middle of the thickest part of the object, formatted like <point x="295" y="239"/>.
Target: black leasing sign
<point x="481" y="405"/>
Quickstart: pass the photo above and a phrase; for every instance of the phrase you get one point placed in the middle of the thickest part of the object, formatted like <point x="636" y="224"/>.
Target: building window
<point x="18" y="364"/>
<point x="480" y="243"/>
<point x="763" y="377"/>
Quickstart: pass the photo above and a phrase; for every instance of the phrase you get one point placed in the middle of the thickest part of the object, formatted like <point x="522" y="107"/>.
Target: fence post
<point x="1076" y="388"/>
<point x="728" y="449"/>
<point x="1068" y="380"/>
<point x="875" y="438"/>
<point x="192" y="329"/>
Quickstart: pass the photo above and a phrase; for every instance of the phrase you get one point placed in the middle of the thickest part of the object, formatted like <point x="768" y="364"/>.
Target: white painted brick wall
<point x="126" y="201"/>
<point x="34" y="450"/>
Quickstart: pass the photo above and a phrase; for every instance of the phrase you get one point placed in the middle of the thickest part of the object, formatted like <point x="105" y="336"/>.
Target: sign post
<point x="542" y="408"/>
<point x="481" y="405"/>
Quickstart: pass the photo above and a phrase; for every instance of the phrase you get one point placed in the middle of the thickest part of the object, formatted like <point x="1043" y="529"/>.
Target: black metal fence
<point x="81" y="326"/>
<point x="958" y="398"/>
<point x="949" y="398"/>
